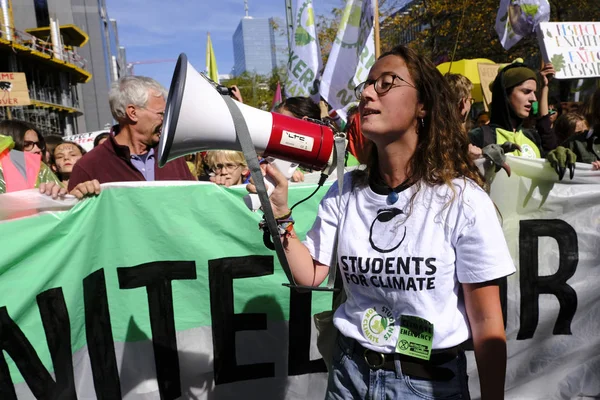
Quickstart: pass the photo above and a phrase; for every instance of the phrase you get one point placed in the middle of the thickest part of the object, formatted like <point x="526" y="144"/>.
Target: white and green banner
<point x="165" y="290"/>
<point x="304" y="65"/>
<point x="352" y="55"/>
<point x="155" y="292"/>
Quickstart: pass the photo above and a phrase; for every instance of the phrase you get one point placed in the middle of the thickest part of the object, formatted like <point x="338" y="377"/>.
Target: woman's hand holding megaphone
<point x="279" y="197"/>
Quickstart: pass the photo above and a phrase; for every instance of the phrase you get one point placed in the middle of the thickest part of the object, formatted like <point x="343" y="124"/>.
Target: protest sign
<point x="487" y="74"/>
<point x="13" y="89"/>
<point x="85" y="140"/>
<point x="573" y="48"/>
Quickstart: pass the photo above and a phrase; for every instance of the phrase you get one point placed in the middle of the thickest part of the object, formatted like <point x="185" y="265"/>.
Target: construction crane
<point x="131" y="64"/>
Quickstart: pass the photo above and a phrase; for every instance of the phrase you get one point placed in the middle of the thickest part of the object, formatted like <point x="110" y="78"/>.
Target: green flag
<point x="211" y="62"/>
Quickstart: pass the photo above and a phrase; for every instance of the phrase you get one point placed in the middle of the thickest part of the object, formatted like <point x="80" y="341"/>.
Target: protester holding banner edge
<point x="419" y="153"/>
<point x="137" y="103"/>
<point x="513" y="95"/>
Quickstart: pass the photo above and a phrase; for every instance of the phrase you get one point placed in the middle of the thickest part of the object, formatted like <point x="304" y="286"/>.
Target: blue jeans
<point x="351" y="378"/>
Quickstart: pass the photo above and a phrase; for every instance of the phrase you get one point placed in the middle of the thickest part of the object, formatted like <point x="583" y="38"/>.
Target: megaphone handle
<point x="252" y="200"/>
<point x="287" y="168"/>
<point x="245" y="141"/>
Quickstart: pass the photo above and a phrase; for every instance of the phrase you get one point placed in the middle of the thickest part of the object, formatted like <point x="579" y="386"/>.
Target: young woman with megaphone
<point x="420" y="248"/>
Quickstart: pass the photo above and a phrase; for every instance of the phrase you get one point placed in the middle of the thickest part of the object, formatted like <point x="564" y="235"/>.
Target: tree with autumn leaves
<point x="463" y="28"/>
<point x="474" y="37"/>
<point x="468" y="25"/>
<point x="459" y="29"/>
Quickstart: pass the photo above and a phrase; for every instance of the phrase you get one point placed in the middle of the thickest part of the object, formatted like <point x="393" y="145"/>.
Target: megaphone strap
<point x="339" y="158"/>
<point x="245" y="141"/>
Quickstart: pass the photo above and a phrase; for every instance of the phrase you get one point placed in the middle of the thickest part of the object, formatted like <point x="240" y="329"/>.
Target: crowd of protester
<point x="521" y="112"/>
<point x="416" y="141"/>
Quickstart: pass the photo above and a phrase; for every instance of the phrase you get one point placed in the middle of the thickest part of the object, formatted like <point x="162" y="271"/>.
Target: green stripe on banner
<point x="128" y="227"/>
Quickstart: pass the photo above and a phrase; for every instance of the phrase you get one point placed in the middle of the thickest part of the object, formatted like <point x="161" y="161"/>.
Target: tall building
<point x="106" y="59"/>
<point x="70" y="54"/>
<point x="257" y="47"/>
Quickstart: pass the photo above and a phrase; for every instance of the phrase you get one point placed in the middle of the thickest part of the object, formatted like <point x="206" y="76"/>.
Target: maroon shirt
<point x="111" y="162"/>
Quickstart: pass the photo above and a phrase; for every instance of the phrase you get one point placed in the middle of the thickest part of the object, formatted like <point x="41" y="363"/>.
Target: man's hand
<point x="88" y="188"/>
<point x="235" y="91"/>
<point x="560" y="159"/>
<point x="53" y="189"/>
<point x="595" y="165"/>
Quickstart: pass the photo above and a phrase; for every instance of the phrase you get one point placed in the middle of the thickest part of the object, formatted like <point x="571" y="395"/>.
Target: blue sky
<point x="155" y="29"/>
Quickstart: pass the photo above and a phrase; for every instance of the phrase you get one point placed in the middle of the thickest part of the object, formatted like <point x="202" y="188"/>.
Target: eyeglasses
<point x="382" y="85"/>
<point x="28" y="145"/>
<point x="470" y="100"/>
<point x="229" y="167"/>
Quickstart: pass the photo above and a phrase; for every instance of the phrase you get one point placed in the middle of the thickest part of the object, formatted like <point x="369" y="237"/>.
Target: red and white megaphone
<point x="198" y="119"/>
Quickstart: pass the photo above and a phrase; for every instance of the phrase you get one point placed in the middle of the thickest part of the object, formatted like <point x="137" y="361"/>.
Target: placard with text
<point x="572" y="47"/>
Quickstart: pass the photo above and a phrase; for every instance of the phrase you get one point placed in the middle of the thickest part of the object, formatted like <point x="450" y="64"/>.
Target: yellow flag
<point x="211" y="62"/>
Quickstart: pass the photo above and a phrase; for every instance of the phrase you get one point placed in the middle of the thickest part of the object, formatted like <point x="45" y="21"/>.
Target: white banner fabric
<point x="519" y="18"/>
<point x="553" y="320"/>
<point x="351" y="57"/>
<point x="553" y="232"/>
<point x="304" y="65"/>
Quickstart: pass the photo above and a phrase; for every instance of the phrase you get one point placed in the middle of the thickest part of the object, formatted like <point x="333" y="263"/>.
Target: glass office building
<point x="257" y="47"/>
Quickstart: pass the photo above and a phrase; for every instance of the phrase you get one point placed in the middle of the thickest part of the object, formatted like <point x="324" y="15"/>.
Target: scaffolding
<point x="52" y="75"/>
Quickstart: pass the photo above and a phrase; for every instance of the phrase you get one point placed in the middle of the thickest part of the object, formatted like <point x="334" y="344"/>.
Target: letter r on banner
<point x="532" y="284"/>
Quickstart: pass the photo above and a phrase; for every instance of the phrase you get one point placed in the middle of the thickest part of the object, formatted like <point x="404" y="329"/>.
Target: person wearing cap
<point x="513" y="98"/>
<point x="513" y="95"/>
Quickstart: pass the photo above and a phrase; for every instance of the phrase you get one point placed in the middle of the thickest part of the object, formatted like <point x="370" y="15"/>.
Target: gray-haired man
<point x="138" y="104"/>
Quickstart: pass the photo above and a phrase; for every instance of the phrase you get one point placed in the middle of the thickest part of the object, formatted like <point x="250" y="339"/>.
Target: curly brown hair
<point x="442" y="152"/>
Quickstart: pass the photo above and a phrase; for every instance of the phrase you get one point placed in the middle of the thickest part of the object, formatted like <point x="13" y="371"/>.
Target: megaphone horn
<point x="197" y="119"/>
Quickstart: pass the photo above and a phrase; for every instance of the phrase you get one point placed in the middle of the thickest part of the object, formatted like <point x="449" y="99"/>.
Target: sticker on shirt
<point x="527" y="151"/>
<point x="379" y="325"/>
<point x="415" y="338"/>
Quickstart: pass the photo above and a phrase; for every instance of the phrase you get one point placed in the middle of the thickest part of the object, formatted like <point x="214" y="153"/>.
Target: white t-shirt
<point x="393" y="264"/>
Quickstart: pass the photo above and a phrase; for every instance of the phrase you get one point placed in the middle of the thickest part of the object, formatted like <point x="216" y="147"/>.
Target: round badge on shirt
<point x="379" y="325"/>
